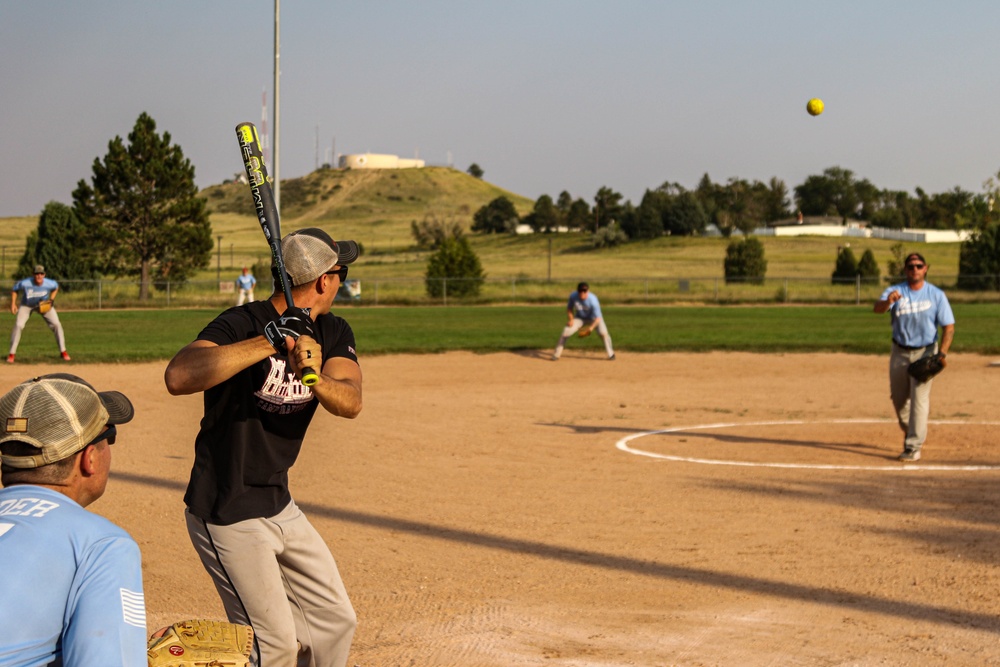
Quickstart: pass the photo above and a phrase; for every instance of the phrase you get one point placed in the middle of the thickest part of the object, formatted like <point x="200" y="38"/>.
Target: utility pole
<point x="276" y="185"/>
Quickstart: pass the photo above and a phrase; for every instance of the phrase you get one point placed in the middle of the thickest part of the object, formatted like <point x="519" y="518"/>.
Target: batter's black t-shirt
<point x="255" y="421"/>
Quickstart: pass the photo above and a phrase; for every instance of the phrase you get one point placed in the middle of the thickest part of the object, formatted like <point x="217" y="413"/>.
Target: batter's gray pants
<point x="51" y="318"/>
<point x="571" y="329"/>
<point x="278" y="576"/>
<point x="911" y="399"/>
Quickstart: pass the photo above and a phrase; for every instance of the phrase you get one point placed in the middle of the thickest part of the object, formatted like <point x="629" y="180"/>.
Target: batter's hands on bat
<point x="294" y="322"/>
<point x="304" y="352"/>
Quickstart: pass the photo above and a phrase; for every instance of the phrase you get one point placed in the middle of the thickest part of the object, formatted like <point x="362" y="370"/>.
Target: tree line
<point x="140" y="217"/>
<point x="744" y="205"/>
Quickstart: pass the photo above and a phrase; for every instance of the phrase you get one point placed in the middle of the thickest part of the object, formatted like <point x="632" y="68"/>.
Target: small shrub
<point x="868" y="268"/>
<point x="457" y="263"/>
<point x="610" y="236"/>
<point x="846" y="269"/>
<point x="745" y="262"/>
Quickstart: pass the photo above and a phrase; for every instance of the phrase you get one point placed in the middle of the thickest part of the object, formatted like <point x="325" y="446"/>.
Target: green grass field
<point x="147" y="335"/>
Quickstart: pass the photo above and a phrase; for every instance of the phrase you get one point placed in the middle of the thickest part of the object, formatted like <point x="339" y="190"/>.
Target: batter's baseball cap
<point x="39" y="268"/>
<point x="915" y="254"/>
<point x="60" y="414"/>
<point x="310" y="252"/>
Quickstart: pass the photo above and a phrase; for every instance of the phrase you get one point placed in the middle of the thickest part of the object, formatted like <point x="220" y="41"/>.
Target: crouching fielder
<point x="583" y="312"/>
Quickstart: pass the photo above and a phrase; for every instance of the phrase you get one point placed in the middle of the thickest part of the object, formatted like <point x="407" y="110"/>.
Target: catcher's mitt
<point x="925" y="368"/>
<point x="200" y="643"/>
<point x="45" y="306"/>
<point x="584" y="332"/>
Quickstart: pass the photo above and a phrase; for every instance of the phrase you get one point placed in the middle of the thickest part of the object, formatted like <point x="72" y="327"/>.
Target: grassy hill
<point x="372" y="206"/>
<point x="377" y="207"/>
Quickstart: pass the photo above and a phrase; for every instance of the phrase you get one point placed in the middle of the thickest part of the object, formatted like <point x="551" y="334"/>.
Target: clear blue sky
<point x="545" y="95"/>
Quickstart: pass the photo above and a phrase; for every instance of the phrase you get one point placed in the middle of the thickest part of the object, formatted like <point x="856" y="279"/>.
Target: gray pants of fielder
<point x="278" y="576"/>
<point x="51" y="318"/>
<point x="911" y="399"/>
<point x="571" y="329"/>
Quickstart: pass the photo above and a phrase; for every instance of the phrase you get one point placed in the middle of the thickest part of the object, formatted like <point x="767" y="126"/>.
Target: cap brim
<point x="120" y="410"/>
<point x="347" y="252"/>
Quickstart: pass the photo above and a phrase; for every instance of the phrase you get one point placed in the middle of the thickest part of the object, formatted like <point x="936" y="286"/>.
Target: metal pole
<point x="218" y="261"/>
<point x="550" y="259"/>
<point x="276" y="186"/>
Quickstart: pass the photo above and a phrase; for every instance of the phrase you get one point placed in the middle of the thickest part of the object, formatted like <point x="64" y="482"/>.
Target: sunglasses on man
<point x="109" y="434"/>
<point x="340" y="273"/>
<point x="915" y="266"/>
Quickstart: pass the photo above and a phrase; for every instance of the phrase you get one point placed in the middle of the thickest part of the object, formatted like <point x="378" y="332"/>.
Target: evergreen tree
<point x="144" y="211"/>
<point x="745" y="261"/>
<point x="846" y="269"/>
<point x="59" y="244"/>
<point x="979" y="260"/>
<point x="455" y="267"/>
<point x="868" y="268"/>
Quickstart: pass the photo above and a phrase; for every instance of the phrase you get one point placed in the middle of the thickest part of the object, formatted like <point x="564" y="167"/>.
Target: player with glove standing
<point x="38" y="294"/>
<point x="583" y="314"/>
<point x="271" y="568"/>
<point x="917" y="308"/>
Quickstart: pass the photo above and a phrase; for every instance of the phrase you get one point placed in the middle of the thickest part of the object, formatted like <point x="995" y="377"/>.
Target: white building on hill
<point x="377" y="161"/>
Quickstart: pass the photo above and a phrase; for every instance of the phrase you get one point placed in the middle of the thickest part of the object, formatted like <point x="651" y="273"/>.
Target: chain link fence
<point x="365" y="291"/>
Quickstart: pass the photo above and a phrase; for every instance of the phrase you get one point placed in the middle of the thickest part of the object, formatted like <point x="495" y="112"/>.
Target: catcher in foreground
<point x="201" y="643"/>
<point x="918" y="309"/>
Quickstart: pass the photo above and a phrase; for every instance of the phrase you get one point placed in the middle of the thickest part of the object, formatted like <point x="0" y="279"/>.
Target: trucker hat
<point x="60" y="414"/>
<point x="39" y="268"/>
<point x="309" y="253"/>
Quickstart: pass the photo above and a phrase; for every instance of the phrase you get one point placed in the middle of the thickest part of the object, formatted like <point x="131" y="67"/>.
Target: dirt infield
<point x="482" y="514"/>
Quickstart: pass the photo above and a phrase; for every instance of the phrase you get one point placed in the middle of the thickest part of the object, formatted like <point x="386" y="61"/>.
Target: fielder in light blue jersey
<point x="583" y="313"/>
<point x="918" y="309"/>
<point x="71" y="593"/>
<point x="38" y="294"/>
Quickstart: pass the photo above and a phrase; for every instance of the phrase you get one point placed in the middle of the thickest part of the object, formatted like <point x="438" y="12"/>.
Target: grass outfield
<point x="148" y="335"/>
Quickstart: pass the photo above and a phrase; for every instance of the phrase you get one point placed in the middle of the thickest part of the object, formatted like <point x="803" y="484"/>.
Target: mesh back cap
<point x="60" y="414"/>
<point x="309" y="253"/>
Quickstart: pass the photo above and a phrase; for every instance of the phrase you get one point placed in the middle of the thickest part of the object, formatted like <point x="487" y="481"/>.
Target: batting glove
<point x="294" y="322"/>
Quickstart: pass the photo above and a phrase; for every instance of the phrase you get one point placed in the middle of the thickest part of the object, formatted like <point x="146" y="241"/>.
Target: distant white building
<point x="377" y="161"/>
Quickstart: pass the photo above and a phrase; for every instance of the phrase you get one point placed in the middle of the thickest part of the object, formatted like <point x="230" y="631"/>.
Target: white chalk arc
<point x="624" y="446"/>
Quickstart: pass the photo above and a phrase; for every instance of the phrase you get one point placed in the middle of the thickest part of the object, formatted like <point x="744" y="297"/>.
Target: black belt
<point x="907" y="347"/>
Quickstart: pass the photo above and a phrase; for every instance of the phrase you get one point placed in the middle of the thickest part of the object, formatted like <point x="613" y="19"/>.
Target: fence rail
<point x="101" y="294"/>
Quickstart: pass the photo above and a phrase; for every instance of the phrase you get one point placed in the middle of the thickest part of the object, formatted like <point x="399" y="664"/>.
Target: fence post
<point x="376" y="292"/>
<point x="100" y="293"/>
<point x="513" y="288"/>
<point x="787" y="298"/>
<point x="716" y="290"/>
<point x="857" y="289"/>
<point x="444" y="289"/>
<point x="168" y="291"/>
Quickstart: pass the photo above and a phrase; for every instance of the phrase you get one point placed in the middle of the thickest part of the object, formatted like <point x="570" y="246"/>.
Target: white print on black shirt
<point x="282" y="392"/>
